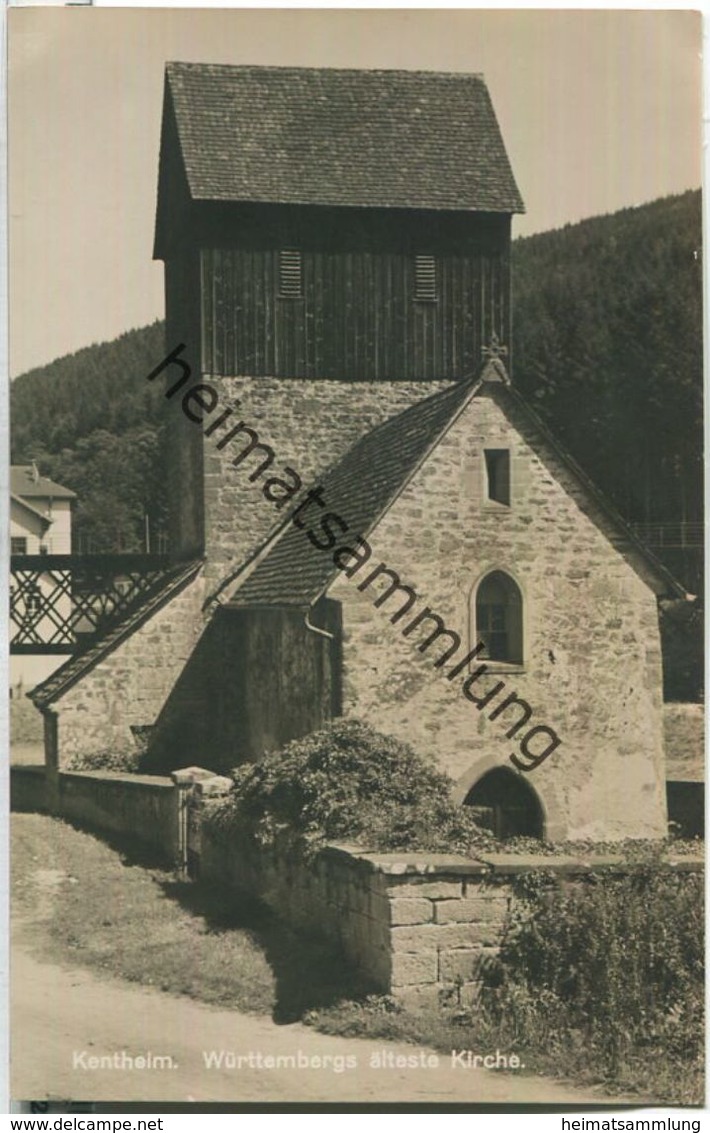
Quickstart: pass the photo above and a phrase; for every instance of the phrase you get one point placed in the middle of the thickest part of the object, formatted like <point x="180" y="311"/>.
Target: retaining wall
<point x="422" y="927"/>
<point x="414" y="926"/>
<point x="142" y="808"/>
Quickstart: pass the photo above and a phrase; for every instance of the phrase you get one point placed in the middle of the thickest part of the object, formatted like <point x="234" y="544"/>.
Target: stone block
<point x="186" y="775"/>
<point x="422" y="997"/>
<point x="467" y="964"/>
<point x="468" y="934"/>
<point x="410" y="910"/>
<point x="470" y="993"/>
<point x="471" y="909"/>
<point x="432" y="890"/>
<point x="217" y="785"/>
<point x="378" y="908"/>
<point x="413" y="968"/>
<point x="414" y="938"/>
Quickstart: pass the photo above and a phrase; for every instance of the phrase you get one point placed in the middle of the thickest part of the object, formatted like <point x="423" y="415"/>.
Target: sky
<point x="599" y="110"/>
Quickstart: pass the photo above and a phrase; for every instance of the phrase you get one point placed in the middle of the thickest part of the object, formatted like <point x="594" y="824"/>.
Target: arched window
<point x="505" y="804"/>
<point x="499" y="618"/>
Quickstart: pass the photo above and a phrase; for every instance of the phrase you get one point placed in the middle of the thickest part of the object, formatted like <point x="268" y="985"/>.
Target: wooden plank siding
<point x="356" y="319"/>
<point x="185" y="282"/>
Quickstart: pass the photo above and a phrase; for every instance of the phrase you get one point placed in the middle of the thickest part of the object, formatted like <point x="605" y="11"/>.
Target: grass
<point x="26" y="726"/>
<point x="653" y="1078"/>
<point x="85" y="903"/>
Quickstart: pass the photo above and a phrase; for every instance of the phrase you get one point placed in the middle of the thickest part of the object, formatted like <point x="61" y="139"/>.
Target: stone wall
<point x="309" y="425"/>
<point x="143" y="809"/>
<point x="421" y="927"/>
<point x="415" y="926"/>
<point x="129" y="686"/>
<point x="592" y="655"/>
<point x="147" y="811"/>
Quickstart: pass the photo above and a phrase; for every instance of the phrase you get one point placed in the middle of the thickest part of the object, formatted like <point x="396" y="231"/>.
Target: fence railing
<point x="678" y="534"/>
<point x="61" y="603"/>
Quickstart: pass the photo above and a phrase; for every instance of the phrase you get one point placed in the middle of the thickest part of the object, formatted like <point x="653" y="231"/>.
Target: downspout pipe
<point x="336" y="694"/>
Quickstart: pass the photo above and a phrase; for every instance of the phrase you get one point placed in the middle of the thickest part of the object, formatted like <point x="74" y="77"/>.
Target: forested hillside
<point x="607" y="346"/>
<point x="93" y="423"/>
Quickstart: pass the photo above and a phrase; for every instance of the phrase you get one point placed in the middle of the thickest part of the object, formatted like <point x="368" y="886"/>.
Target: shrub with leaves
<point x="348" y="783"/>
<point x="125" y="760"/>
<point x="614" y="963"/>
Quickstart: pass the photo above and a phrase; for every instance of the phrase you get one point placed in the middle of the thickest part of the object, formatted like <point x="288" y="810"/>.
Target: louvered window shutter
<point x="290" y="275"/>
<point x="425" y="278"/>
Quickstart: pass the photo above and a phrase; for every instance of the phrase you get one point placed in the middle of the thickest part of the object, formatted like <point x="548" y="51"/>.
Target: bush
<point x="125" y="760"/>
<point x="348" y="783"/>
<point x="612" y="966"/>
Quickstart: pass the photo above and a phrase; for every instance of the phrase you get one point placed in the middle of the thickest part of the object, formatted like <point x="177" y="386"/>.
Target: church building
<point x="367" y="518"/>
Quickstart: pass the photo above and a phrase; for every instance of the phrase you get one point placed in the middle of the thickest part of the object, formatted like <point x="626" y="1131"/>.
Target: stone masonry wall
<point x="424" y="928"/>
<point x="28" y="792"/>
<point x="309" y="425"/>
<point x="130" y="685"/>
<point x="414" y="928"/>
<point x="592" y="664"/>
<point x="143" y="809"/>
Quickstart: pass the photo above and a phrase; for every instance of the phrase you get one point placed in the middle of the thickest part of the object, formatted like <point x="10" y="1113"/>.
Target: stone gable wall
<point x="592" y="668"/>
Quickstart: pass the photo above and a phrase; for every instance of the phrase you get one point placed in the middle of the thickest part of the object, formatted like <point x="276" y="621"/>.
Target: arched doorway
<point x="506" y="805"/>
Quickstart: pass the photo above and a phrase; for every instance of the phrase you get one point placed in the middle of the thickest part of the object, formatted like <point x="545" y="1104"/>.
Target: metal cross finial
<point x="495" y="348"/>
<point x="494" y="367"/>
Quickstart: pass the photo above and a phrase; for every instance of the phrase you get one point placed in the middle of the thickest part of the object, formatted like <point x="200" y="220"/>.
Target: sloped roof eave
<point x="29" y="507"/>
<point x="423" y="206"/>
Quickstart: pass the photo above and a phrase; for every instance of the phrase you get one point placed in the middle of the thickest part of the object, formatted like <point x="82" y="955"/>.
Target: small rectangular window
<point x="290" y="275"/>
<point x="18" y="545"/>
<point x="498" y="475"/>
<point x="425" y="278"/>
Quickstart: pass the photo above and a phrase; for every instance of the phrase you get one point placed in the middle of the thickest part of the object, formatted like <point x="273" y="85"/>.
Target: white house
<point x="40" y="513"/>
<point x="40" y="524"/>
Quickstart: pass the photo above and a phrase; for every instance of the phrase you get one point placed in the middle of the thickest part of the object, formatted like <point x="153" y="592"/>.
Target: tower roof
<point x="320" y="136"/>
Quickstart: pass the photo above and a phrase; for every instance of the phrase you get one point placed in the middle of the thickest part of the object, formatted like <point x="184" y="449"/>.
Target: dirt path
<point x="62" y="1017"/>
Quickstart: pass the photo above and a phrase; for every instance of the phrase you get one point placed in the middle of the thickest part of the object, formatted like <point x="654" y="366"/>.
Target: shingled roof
<point x="385" y="139"/>
<point x="290" y="571"/>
